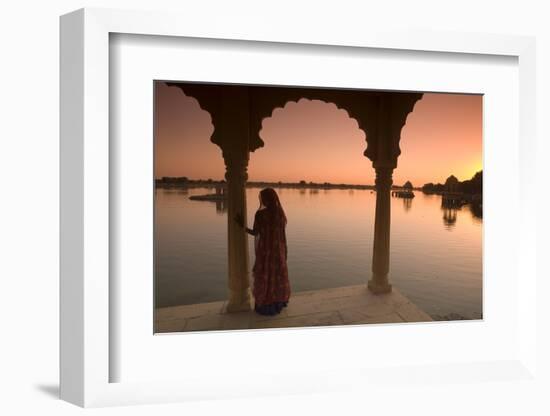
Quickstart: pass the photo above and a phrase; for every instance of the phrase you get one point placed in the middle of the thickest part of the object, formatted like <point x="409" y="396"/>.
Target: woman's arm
<point x="251" y="231"/>
<point x="239" y="220"/>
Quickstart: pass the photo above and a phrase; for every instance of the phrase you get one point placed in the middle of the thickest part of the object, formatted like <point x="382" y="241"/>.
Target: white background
<point x="29" y="209"/>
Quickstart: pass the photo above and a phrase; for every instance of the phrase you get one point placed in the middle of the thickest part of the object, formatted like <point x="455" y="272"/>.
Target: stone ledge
<point x="339" y="306"/>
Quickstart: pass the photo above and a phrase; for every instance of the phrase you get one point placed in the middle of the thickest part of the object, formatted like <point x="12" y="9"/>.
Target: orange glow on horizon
<point x="315" y="141"/>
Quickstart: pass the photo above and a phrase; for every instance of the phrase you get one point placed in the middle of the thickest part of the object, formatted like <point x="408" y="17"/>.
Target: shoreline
<point x="214" y="185"/>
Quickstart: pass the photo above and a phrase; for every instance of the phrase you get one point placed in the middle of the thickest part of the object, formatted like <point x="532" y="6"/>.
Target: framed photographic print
<point x="212" y="161"/>
<point x="332" y="204"/>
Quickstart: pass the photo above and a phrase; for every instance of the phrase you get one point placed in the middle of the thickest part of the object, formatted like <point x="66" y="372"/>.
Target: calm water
<point x="436" y="254"/>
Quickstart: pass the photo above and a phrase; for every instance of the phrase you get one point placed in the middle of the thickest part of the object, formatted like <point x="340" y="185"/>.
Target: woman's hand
<point x="239" y="219"/>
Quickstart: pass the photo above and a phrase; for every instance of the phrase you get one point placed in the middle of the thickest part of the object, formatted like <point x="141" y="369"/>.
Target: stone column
<point x="381" y="249"/>
<point x="237" y="238"/>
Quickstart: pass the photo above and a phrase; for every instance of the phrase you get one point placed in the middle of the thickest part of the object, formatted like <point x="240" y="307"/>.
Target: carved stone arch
<point x="209" y="98"/>
<point x="264" y="101"/>
<point x="380" y="115"/>
<point x="401" y="105"/>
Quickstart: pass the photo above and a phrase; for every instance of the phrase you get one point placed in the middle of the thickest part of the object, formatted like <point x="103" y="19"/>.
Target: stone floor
<point x="339" y="306"/>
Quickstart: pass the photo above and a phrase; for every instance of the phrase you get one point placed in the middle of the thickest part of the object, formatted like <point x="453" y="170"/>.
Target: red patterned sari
<point x="271" y="287"/>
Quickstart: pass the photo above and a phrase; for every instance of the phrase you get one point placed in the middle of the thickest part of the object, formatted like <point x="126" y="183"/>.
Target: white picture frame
<point x="86" y="293"/>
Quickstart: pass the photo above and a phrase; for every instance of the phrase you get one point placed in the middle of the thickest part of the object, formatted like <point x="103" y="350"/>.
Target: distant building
<point x="406" y="191"/>
<point x="451" y="184"/>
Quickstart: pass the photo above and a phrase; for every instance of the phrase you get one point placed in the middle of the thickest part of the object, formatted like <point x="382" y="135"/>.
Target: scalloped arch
<point x="297" y="101"/>
<point x="207" y="96"/>
<point x="380" y="115"/>
<point x="358" y="106"/>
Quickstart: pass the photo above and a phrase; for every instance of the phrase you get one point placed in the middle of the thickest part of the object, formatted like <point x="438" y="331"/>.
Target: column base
<point x="238" y="301"/>
<point x="378" y="288"/>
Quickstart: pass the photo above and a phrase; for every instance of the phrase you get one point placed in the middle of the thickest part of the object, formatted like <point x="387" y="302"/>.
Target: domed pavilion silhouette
<point x="405" y="192"/>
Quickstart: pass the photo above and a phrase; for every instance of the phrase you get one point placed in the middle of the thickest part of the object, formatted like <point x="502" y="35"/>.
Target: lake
<point x="435" y="260"/>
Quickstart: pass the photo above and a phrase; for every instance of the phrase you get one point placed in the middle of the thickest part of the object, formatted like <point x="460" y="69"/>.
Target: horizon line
<point x="306" y="182"/>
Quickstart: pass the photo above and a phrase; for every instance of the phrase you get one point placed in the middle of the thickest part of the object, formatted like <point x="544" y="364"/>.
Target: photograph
<point x="282" y="206"/>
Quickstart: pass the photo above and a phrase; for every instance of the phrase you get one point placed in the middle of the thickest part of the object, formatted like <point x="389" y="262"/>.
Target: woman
<point x="271" y="287"/>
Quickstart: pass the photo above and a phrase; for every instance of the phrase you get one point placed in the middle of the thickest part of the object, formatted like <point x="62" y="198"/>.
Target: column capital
<point x="236" y="165"/>
<point x="384" y="178"/>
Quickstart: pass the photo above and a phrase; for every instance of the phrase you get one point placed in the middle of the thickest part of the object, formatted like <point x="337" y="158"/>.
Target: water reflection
<point x="449" y="216"/>
<point x="330" y="239"/>
<point x="221" y="206"/>
<point x="477" y="211"/>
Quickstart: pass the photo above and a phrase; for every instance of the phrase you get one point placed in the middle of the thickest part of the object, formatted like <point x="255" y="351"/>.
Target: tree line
<point x="472" y="186"/>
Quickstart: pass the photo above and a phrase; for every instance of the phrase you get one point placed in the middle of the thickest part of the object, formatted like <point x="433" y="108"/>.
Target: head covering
<point x="270" y="200"/>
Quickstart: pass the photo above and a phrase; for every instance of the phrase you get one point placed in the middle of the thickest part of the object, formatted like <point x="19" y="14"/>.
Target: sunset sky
<point x="315" y="141"/>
